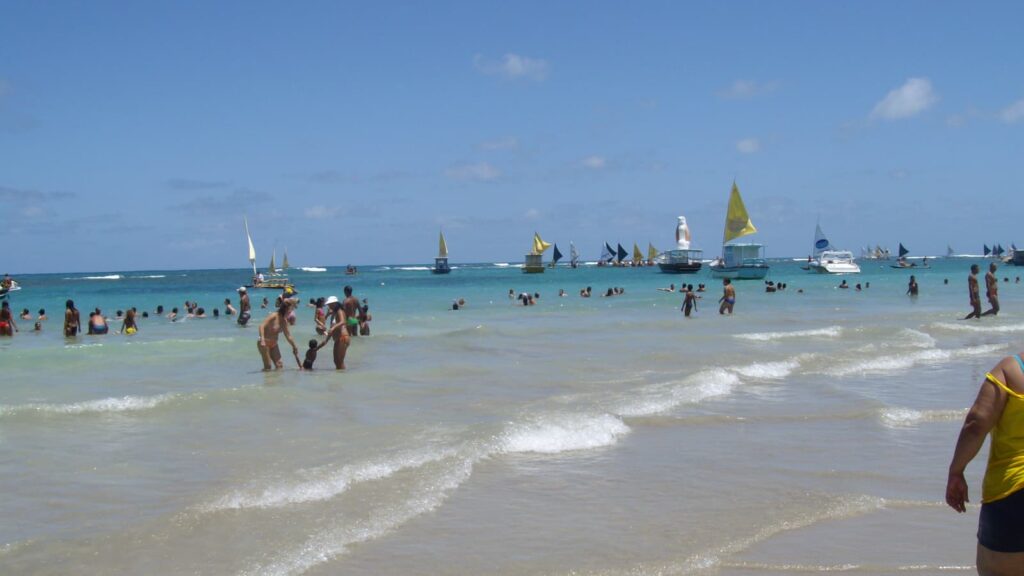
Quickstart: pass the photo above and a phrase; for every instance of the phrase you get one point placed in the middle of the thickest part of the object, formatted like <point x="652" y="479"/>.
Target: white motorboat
<point x="834" y="262"/>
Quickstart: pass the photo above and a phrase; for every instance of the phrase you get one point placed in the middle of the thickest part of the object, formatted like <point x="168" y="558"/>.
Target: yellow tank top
<point x="1005" y="472"/>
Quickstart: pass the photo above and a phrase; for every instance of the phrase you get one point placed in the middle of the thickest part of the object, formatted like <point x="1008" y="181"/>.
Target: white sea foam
<point x="501" y="264"/>
<point x="150" y="276"/>
<point x="324" y="484"/>
<point x="768" y="370"/>
<point x="904" y="417"/>
<point x="916" y="338"/>
<point x="413" y="268"/>
<point x="694" y="389"/>
<point x="312" y="269"/>
<point x="830" y="332"/>
<point x="903" y="361"/>
<point x="108" y="277"/>
<point x="104" y="405"/>
<point x="967" y="327"/>
<point x="562" y="433"/>
<point x="328" y="544"/>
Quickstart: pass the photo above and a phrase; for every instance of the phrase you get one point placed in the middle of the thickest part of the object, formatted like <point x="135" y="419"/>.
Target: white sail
<point x="821" y="243"/>
<point x="252" y="249"/>
<point x="574" y="256"/>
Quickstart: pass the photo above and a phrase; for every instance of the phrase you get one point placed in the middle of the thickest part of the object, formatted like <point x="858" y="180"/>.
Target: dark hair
<point x="200" y="311"/>
<point x="42" y="311"/>
<point x="175" y="310"/>
<point x="216" y="312"/>
<point x="160" y="309"/>
<point x="313" y="343"/>
<point x="145" y="314"/>
<point x="70" y="304"/>
<point x="348" y="290"/>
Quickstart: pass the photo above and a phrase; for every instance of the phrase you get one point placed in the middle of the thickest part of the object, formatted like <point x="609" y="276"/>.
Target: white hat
<point x="331" y="300"/>
<point x="241" y="288"/>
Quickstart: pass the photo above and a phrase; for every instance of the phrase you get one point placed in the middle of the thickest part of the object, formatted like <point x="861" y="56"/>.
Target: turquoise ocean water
<point x="810" y="431"/>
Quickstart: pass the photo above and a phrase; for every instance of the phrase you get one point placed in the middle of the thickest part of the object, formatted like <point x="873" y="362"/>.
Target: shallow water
<point x="808" y="432"/>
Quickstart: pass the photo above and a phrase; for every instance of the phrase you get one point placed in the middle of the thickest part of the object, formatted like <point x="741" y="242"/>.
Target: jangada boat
<point x="739" y="261"/>
<point x="273" y="280"/>
<point x="441" y="261"/>
<point x="534" y="261"/>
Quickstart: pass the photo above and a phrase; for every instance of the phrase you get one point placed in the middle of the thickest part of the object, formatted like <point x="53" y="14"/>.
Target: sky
<point x="138" y="135"/>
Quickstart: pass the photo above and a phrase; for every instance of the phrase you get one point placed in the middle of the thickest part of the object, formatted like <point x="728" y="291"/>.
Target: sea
<point x="808" y="432"/>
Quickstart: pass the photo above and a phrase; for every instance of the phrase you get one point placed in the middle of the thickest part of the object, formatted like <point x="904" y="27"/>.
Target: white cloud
<point x="913" y="97"/>
<point x="1013" y="113"/>
<point x="512" y="67"/>
<point x="744" y="89"/>
<point x="320" y="212"/>
<point x="480" y="172"/>
<point x="594" y="162"/>
<point x="748" y="145"/>
<point x="500" y="144"/>
<point x="532" y="214"/>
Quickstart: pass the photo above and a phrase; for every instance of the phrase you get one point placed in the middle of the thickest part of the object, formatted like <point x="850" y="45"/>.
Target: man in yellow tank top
<point x="999" y="409"/>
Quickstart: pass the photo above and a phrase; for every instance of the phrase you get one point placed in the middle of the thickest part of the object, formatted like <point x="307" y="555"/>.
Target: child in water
<point x="307" y="364"/>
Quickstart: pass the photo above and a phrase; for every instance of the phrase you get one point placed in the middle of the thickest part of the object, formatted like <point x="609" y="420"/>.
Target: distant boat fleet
<point x="738" y="260"/>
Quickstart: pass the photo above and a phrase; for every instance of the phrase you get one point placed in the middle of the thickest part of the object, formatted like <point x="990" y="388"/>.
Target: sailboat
<point x="574" y="256"/>
<point x="950" y="253"/>
<point x="739" y="261"/>
<point x="607" y="255"/>
<point x="901" y="261"/>
<point x="620" y="255"/>
<point x="638" y="256"/>
<point x="652" y="253"/>
<point x="828" y="260"/>
<point x="534" y="261"/>
<point x="273" y="280"/>
<point x="683" y="259"/>
<point x="284" y="262"/>
<point x="556" y="255"/>
<point x="441" y="261"/>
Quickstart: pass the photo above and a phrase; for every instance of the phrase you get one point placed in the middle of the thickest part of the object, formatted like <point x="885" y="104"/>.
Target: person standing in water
<point x="351" y="306"/>
<point x="128" y="325"/>
<point x="912" y="286"/>
<point x="7" y="325"/>
<point x="338" y="331"/>
<point x="244" y="308"/>
<point x="992" y="290"/>
<point x="972" y="290"/>
<point x="72" y="320"/>
<point x="728" y="299"/>
<point x="689" y="301"/>
<point x="274" y="325"/>
<point x="999" y="410"/>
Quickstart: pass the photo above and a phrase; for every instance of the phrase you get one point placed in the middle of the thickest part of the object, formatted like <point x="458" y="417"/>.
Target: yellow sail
<point x="652" y="252"/>
<point x="737" y="221"/>
<point x="284" y="262"/>
<point x="272" y="269"/>
<point x="637" y="254"/>
<point x="539" y="246"/>
<point x="442" y="247"/>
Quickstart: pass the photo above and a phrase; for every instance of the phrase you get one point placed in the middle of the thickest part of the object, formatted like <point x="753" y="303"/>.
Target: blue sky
<point x="137" y="135"/>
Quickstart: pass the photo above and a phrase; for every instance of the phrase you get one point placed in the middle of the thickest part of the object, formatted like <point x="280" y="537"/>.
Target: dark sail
<point x="903" y="251"/>
<point x="987" y="251"/>
<point x="621" y="254"/>
<point x="556" y="255"/>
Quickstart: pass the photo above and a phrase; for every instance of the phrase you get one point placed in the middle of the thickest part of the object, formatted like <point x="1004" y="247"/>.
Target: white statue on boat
<point x="682" y="234"/>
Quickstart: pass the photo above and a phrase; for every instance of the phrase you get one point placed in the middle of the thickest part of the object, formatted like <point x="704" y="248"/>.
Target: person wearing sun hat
<point x="337" y="330"/>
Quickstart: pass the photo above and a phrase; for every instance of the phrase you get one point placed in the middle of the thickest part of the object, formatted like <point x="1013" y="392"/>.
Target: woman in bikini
<point x="338" y="331"/>
<point x="270" y="329"/>
<point x="7" y="325"/>
<point x="72" y="320"/>
<point x="999" y="409"/>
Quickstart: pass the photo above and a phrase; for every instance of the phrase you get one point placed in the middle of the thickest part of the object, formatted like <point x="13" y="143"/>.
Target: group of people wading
<point x="337" y="321"/>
